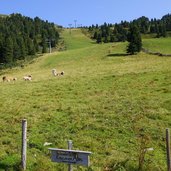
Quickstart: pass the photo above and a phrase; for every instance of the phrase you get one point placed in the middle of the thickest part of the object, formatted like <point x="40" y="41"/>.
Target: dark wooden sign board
<point x="70" y="156"/>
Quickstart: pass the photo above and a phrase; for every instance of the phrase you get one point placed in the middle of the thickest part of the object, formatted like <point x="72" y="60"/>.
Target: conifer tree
<point x="36" y="45"/>
<point x="95" y="35"/>
<point x="31" y="48"/>
<point x="8" y="50"/>
<point x="22" y="46"/>
<point x="99" y="38"/>
<point x="21" y="36"/>
<point x="134" y="39"/>
<point x="44" y="46"/>
<point x="16" y="50"/>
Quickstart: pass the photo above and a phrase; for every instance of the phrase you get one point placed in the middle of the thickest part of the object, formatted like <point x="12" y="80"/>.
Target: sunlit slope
<point x="162" y="45"/>
<point x="106" y="102"/>
<point x="75" y="39"/>
<point x="41" y="67"/>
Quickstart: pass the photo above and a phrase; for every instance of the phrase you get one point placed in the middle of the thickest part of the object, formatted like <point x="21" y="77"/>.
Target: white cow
<point x="27" y="78"/>
<point x="54" y="72"/>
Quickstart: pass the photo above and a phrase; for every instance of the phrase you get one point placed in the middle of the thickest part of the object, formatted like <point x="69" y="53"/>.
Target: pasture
<point x="161" y="45"/>
<point x="113" y="105"/>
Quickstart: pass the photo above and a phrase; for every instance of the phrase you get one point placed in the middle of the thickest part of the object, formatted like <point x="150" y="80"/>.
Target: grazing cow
<point x="14" y="79"/>
<point x="4" y="78"/>
<point x="54" y="72"/>
<point x="61" y="73"/>
<point x="8" y="79"/>
<point x="27" y="78"/>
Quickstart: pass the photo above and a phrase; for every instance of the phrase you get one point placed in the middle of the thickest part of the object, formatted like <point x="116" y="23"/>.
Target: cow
<point x="8" y="79"/>
<point x="59" y="73"/>
<point x="27" y="78"/>
<point x="54" y="72"/>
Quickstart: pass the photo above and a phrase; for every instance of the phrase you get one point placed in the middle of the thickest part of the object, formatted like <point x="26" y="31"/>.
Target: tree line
<point x="119" y="32"/>
<point x="22" y="37"/>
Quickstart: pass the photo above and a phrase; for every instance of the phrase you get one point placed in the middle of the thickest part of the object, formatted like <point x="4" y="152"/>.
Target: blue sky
<point x="86" y="12"/>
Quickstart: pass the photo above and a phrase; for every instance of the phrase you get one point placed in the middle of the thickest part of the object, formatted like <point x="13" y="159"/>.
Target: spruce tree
<point x="31" y="48"/>
<point x="44" y="46"/>
<point x="134" y="39"/>
<point x="16" y="50"/>
<point x="36" y="45"/>
<point x="99" y="38"/>
<point x="95" y="35"/>
<point x="22" y="46"/>
<point x="8" y="50"/>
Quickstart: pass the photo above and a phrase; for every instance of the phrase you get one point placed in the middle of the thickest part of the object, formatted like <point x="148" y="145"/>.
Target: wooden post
<point x="168" y="149"/>
<point x="69" y="148"/>
<point x="24" y="144"/>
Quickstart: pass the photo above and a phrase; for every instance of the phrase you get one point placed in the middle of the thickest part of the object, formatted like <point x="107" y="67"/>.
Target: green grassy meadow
<point x="111" y="104"/>
<point x="161" y="45"/>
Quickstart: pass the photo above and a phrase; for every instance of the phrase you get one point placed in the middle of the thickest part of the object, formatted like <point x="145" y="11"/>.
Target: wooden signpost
<point x="168" y="149"/>
<point x="24" y="144"/>
<point x="70" y="157"/>
<point x="69" y="148"/>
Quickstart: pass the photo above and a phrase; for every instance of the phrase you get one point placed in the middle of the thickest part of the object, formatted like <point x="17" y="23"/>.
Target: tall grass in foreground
<point x="111" y="104"/>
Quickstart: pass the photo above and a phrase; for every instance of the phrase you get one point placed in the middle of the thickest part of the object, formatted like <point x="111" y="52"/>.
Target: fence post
<point x="24" y="144"/>
<point x="168" y="149"/>
<point x="70" y="148"/>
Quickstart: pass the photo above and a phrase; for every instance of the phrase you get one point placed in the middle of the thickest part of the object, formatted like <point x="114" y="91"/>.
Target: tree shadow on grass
<point x="117" y="54"/>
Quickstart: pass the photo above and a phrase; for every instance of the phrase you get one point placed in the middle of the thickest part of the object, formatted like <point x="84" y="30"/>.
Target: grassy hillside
<point x="115" y="106"/>
<point x="161" y="45"/>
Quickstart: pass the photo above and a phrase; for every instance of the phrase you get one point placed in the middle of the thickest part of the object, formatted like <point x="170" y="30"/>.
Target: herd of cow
<point x="9" y="79"/>
<point x="29" y="77"/>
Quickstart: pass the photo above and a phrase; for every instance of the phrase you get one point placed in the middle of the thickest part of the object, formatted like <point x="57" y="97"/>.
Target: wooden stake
<point x="70" y="148"/>
<point x="24" y="144"/>
<point x="168" y="149"/>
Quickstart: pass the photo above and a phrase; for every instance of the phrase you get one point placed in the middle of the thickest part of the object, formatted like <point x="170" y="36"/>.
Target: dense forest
<point x="119" y="32"/>
<point x="22" y="37"/>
